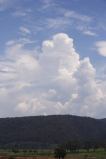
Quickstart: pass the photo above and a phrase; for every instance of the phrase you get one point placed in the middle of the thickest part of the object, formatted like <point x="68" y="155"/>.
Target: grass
<point x="48" y="154"/>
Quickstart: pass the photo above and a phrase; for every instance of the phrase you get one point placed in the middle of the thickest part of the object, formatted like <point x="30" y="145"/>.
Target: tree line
<point x="77" y="146"/>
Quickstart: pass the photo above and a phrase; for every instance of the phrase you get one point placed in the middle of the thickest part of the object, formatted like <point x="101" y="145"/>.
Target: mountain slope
<point x="44" y="131"/>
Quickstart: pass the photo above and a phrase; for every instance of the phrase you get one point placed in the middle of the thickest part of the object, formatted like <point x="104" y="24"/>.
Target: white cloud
<point x="73" y="20"/>
<point x="24" y="30"/>
<point x="84" y="29"/>
<point x="20" y="12"/>
<point x="101" y="47"/>
<point x="47" y="4"/>
<point x="23" y="41"/>
<point x="75" y="15"/>
<point x="56" y="81"/>
<point x="90" y="33"/>
<point x="58" y="22"/>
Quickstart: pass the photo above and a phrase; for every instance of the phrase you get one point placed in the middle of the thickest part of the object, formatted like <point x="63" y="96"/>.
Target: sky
<point x="53" y="57"/>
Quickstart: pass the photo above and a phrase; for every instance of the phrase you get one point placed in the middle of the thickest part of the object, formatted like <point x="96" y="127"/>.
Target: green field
<point x="48" y="154"/>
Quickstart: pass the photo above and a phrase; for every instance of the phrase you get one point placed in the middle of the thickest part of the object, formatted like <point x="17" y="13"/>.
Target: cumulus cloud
<point x="53" y="81"/>
<point x="101" y="47"/>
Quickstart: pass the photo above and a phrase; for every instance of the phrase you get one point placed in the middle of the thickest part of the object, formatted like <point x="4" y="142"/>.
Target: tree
<point x="72" y="146"/>
<point x="87" y="145"/>
<point x="59" y="153"/>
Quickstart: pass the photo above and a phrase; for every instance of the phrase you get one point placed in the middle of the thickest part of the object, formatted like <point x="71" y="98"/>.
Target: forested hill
<point x="46" y="131"/>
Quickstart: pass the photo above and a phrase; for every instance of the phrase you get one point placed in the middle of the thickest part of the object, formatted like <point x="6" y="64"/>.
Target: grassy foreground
<point x="48" y="154"/>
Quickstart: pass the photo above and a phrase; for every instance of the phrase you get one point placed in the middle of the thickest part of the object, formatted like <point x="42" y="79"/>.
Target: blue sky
<point x="45" y="18"/>
<point x="24" y="27"/>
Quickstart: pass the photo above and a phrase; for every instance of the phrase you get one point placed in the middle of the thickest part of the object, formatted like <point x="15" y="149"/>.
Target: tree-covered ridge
<point x="49" y="131"/>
